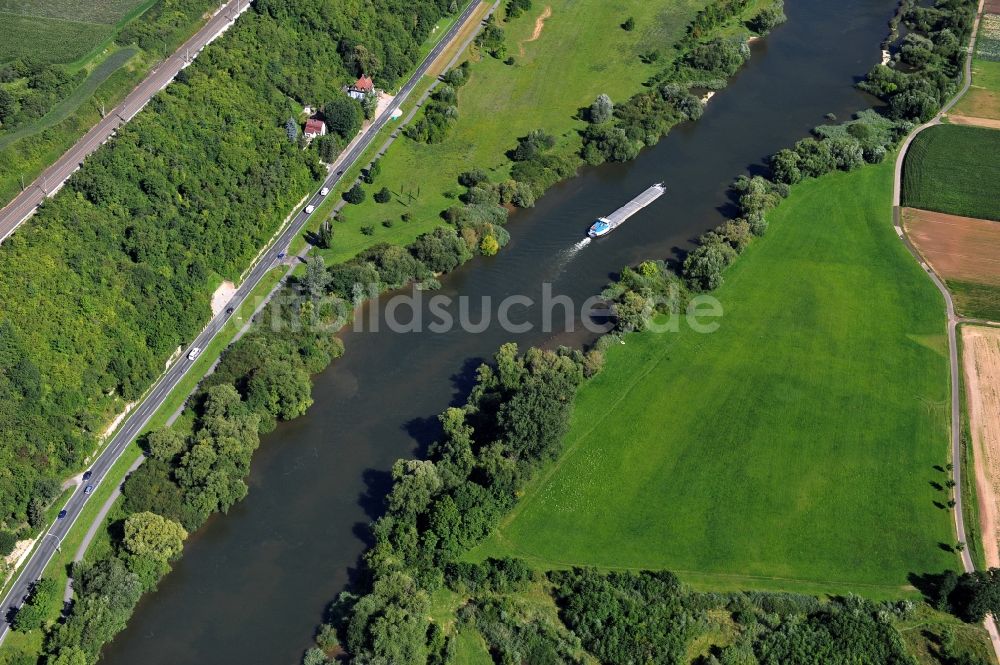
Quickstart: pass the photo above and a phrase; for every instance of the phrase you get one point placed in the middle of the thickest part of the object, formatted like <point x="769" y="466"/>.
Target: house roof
<point x="314" y="126"/>
<point x="364" y="84"/>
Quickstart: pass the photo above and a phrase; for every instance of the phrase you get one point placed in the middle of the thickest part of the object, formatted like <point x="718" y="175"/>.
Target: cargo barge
<point x="605" y="225"/>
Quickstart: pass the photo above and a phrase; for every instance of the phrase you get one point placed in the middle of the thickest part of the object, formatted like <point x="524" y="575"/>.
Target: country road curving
<point x="50" y="540"/>
<point x="953" y="319"/>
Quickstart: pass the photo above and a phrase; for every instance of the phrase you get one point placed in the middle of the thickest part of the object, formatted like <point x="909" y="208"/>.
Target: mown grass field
<point x="795" y="448"/>
<point x="953" y="169"/>
<point x="983" y="98"/>
<point x="580" y="53"/>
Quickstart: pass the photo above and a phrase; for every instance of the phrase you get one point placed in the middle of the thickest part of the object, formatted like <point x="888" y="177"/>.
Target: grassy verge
<point x="946" y="168"/>
<point x="923" y="633"/>
<point x="797" y="444"/>
<point x="31" y="643"/>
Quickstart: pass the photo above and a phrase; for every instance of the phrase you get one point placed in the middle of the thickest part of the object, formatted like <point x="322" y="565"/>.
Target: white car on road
<point x="309" y="209"/>
<point x="194" y="353"/>
<point x="324" y="191"/>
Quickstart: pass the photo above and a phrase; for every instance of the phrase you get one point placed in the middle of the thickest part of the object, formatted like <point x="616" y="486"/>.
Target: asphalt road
<point x="25" y="203"/>
<point x="138" y="419"/>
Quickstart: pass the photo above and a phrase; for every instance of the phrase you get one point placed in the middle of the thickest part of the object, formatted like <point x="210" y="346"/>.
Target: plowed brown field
<point x="957" y="248"/>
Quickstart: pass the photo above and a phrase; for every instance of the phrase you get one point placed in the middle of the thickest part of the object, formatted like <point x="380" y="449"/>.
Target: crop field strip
<point x="106" y="12"/>
<point x="988" y="40"/>
<point x="956" y="247"/>
<point x="981" y="361"/>
<point x="59" y="30"/>
<point x="963" y="252"/>
<point x="950" y="169"/>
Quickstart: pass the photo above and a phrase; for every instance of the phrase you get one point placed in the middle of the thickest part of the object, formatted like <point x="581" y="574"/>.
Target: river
<point x="253" y="584"/>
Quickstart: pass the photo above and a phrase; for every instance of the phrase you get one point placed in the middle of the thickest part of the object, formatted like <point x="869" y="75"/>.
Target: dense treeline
<point x="933" y="52"/>
<point x="650" y="617"/>
<point x="512" y="422"/>
<point x="122" y="261"/>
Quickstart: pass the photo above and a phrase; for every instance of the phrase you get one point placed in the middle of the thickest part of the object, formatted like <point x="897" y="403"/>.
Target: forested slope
<point x="113" y="274"/>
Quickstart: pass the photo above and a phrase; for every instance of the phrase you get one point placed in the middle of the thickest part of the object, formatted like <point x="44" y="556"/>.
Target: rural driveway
<point x="49" y="182"/>
<point x="953" y="320"/>
<point x="51" y="539"/>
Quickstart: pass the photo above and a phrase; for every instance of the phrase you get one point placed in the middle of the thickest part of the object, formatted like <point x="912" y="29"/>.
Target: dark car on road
<point x="62" y="514"/>
<point x="87" y="475"/>
<point x="89" y="489"/>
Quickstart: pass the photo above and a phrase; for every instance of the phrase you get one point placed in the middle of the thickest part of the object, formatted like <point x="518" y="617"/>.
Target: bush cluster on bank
<point x="932" y="52"/>
<point x="617" y="132"/>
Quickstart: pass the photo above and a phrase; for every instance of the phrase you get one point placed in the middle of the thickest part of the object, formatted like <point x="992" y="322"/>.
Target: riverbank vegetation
<point x="602" y="501"/>
<point x="932" y="54"/>
<point x="523" y="115"/>
<point x="123" y="260"/>
<point x="946" y="167"/>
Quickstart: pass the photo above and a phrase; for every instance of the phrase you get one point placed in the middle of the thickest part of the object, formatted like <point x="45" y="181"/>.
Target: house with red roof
<point x="363" y="87"/>
<point x="314" y="127"/>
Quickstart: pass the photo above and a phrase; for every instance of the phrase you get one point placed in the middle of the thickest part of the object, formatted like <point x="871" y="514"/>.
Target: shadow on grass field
<point x="796" y="446"/>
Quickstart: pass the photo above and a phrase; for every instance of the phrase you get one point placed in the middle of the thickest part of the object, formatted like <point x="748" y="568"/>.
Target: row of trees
<point x="123" y="260"/>
<point x="617" y="132"/>
<point x="865" y="139"/>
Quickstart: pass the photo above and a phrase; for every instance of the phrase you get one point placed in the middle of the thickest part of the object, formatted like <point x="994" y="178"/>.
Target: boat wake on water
<point x="566" y="255"/>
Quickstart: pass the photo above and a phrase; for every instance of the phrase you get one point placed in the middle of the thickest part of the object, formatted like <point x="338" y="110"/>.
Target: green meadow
<point x="949" y="168"/>
<point x="793" y="449"/>
<point x="580" y="53"/>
